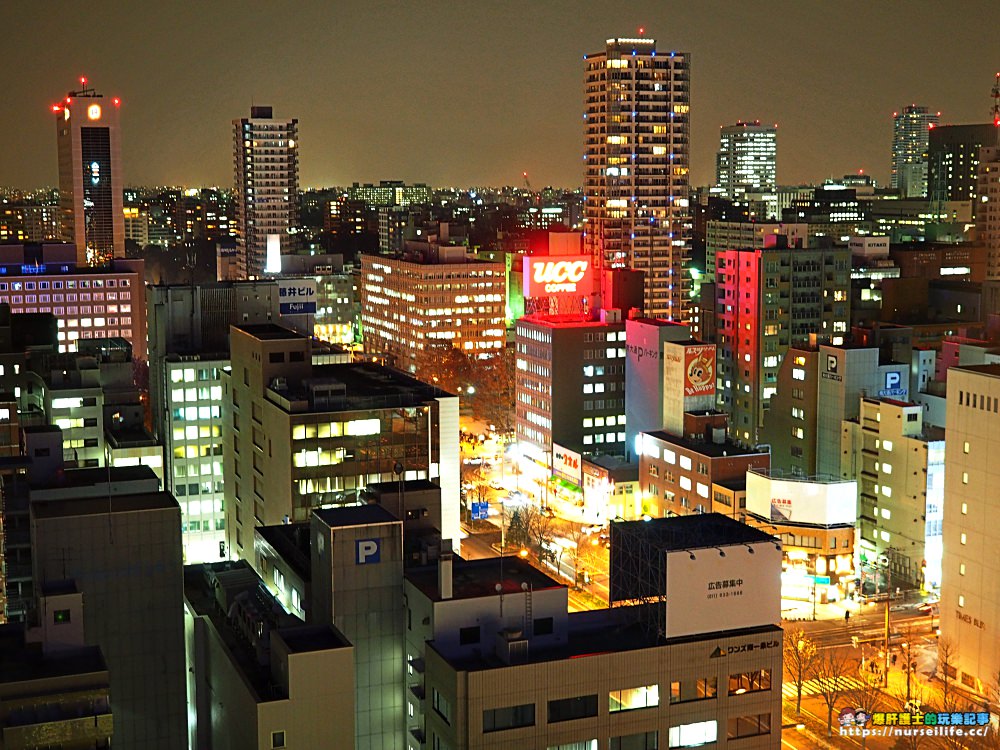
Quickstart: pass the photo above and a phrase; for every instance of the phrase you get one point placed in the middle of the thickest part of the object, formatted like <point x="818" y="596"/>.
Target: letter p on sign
<point x="367" y="551"/>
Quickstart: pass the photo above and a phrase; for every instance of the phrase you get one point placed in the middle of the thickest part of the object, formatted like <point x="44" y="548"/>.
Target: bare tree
<point x="830" y="671"/>
<point x="866" y="694"/>
<point x="951" y="699"/>
<point x="896" y="701"/>
<point x="800" y="654"/>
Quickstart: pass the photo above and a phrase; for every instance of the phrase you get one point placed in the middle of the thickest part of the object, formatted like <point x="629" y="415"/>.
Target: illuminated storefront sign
<point x="557" y="276"/>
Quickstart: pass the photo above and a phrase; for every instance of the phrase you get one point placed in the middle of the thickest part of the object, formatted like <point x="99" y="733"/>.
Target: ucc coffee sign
<point x="557" y="276"/>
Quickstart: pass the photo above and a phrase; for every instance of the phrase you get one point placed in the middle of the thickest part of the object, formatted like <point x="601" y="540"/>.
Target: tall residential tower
<point x="90" y="175"/>
<point x="911" y="128"/>
<point x="266" y="162"/>
<point x="747" y="157"/>
<point x="636" y="125"/>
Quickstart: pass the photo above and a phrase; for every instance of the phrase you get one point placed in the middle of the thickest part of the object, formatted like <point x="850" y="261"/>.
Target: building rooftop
<point x="269" y="331"/>
<point x="690" y="532"/>
<point x="472" y="579"/>
<point x="991" y="370"/>
<point x="305" y="638"/>
<point x="705" y="447"/>
<point x="90" y="477"/>
<point x="604" y="631"/>
<point x="566" y="321"/>
<point x="20" y="662"/>
<point x="365" y="385"/>
<point x="291" y="542"/>
<point x="660" y="322"/>
<point x="355" y="515"/>
<point x="94" y="506"/>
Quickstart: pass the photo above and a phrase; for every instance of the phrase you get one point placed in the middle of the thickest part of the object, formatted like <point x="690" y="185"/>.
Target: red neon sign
<point x="554" y="276"/>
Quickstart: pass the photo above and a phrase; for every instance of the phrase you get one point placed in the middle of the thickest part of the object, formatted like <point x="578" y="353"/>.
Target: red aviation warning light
<point x="116" y="101"/>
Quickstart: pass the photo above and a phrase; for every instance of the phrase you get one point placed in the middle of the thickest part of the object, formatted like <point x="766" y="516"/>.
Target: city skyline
<point x="496" y="104"/>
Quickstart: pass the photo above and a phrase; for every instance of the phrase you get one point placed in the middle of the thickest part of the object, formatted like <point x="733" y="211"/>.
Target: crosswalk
<point x="813" y="687"/>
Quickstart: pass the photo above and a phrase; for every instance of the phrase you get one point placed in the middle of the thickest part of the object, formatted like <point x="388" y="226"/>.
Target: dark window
<point x="90" y="443"/>
<point x="498" y="719"/>
<point x="90" y="422"/>
<point x="296" y="356"/>
<point x="61" y="616"/>
<point x="568" y="709"/>
<point x="544" y="626"/>
<point x="641" y="741"/>
<point x="90" y="402"/>
<point x="441" y="705"/>
<point x="912" y="417"/>
<point x="277" y="739"/>
<point x="275" y="357"/>
<point x="468" y="636"/>
<point x="749" y="726"/>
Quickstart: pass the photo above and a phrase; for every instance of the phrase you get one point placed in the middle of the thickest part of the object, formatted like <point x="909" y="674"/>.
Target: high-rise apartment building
<point x="953" y="161"/>
<point x="90" y="175"/>
<point x="266" y="194"/>
<point x="910" y="141"/>
<point x="636" y="128"/>
<point x="747" y="158"/>
<point x="988" y="211"/>
<point x="769" y="298"/>
<point x="970" y="605"/>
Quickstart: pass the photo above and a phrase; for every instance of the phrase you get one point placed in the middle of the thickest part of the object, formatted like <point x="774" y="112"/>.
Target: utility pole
<point x="888" y="594"/>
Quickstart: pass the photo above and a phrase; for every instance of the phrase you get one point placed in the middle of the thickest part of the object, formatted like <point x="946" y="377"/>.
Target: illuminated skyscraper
<point x="910" y="140"/>
<point x="636" y="126"/>
<point x="266" y="161"/>
<point x="90" y="175"/>
<point x="747" y="158"/>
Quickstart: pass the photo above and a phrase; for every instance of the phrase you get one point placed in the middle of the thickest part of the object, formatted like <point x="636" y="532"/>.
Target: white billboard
<point x="802" y="500"/>
<point x="724" y="588"/>
<point x="567" y="464"/>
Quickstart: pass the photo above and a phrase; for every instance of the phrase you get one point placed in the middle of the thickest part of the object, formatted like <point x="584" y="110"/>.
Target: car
<point x="475" y="461"/>
<point x="929" y="608"/>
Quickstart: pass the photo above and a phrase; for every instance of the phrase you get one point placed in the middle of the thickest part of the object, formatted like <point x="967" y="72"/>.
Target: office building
<point x="676" y="472"/>
<point x="189" y="349"/>
<point x="953" y="162"/>
<point x="336" y="302"/>
<point x="266" y="190"/>
<point x="911" y="129"/>
<point x="646" y="401"/>
<point x="832" y="211"/>
<point x="24" y="223"/>
<point x="728" y="235"/>
<point x="90" y="175"/>
<point x="306" y="435"/>
<point x="768" y="299"/>
<point x="969" y="602"/>
<point x="88" y="303"/>
<point x="663" y="674"/>
<point x="747" y="158"/>
<point x="636" y="128"/>
<point x="390" y="193"/>
<point x="434" y="297"/>
<point x="570" y="384"/>
<point x="356" y="555"/>
<point x="817" y="388"/>
<point x="123" y="551"/>
<point x="988" y="211"/>
<point x="899" y="464"/>
<point x="258" y="677"/>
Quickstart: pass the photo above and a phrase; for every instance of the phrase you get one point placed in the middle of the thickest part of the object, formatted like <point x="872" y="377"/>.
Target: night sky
<point x="474" y="93"/>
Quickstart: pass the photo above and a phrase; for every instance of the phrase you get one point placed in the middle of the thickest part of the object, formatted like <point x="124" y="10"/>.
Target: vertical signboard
<point x="699" y="370"/>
